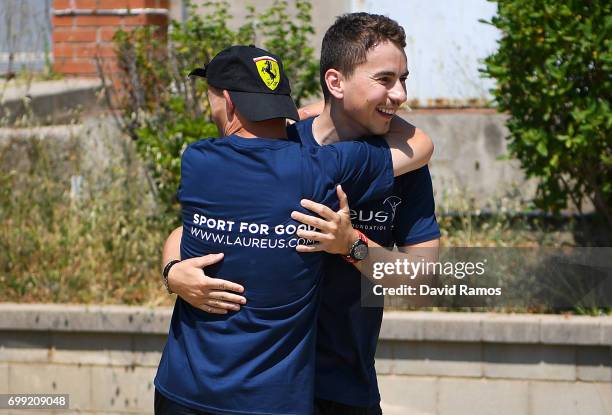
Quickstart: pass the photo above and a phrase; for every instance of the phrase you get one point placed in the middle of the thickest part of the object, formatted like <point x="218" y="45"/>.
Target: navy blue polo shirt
<point x="347" y="332"/>
<point x="237" y="195"/>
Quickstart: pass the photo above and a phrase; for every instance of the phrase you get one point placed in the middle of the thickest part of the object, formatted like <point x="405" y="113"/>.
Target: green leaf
<point x="542" y="149"/>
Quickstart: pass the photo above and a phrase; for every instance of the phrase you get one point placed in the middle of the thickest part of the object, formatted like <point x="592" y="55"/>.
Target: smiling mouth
<point x="386" y="112"/>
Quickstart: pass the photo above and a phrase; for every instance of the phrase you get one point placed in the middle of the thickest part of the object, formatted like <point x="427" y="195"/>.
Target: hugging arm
<point x="188" y="280"/>
<point x="410" y="147"/>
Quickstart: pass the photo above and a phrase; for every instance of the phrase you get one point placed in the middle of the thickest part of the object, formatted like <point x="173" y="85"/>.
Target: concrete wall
<point x="49" y="102"/>
<point x="466" y="170"/>
<point x="445" y="47"/>
<point x="455" y="363"/>
<point x="467" y="167"/>
<point x="323" y="13"/>
<point x="445" y="42"/>
<point x="105" y="357"/>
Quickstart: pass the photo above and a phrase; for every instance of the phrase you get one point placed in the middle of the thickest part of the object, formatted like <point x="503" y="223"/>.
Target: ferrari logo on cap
<point x="268" y="70"/>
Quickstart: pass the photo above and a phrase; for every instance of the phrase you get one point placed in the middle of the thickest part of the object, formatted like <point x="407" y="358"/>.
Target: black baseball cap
<point x="255" y="80"/>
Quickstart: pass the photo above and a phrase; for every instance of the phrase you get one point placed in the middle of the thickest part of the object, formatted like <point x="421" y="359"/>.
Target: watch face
<point x="360" y="252"/>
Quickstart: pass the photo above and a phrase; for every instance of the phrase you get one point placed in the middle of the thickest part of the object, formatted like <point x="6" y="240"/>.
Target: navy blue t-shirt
<point x="237" y="195"/>
<point x="347" y="332"/>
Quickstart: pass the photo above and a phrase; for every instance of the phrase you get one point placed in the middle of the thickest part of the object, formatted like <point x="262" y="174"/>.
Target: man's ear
<point x="334" y="81"/>
<point x="230" y="108"/>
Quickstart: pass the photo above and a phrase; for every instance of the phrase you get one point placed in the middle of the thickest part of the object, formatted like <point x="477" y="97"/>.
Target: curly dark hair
<point x="346" y="43"/>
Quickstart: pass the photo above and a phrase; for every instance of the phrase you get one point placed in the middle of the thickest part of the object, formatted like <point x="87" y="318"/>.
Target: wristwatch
<point x="359" y="249"/>
<point x="165" y="273"/>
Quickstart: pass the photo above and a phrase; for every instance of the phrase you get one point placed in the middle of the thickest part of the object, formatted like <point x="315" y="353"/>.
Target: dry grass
<point x="99" y="244"/>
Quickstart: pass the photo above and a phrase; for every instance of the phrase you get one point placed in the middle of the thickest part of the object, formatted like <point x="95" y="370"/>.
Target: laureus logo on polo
<point x="365" y="219"/>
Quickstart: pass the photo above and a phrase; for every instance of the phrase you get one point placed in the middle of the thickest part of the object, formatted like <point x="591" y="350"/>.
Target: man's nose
<point x="398" y="93"/>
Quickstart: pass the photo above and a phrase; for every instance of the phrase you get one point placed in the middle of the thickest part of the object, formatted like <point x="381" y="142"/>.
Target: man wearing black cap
<point x="361" y="53"/>
<point x="235" y="69"/>
<point x="237" y="194"/>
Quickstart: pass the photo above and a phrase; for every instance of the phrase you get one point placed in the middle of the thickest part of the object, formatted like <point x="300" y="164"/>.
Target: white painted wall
<point x="25" y="34"/>
<point x="445" y="46"/>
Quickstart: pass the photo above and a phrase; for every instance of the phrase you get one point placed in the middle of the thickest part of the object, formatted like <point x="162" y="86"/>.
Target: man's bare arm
<point x="427" y="251"/>
<point x="422" y="252"/>
<point x="410" y="147"/>
<point x="172" y="246"/>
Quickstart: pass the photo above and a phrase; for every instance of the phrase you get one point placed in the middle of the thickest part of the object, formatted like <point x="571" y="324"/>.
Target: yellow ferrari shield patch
<point x="268" y="70"/>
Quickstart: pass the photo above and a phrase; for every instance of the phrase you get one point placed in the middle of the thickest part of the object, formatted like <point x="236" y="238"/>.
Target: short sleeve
<point x="186" y="166"/>
<point x="193" y="163"/>
<point x="365" y="169"/>
<point x="415" y="220"/>
<point x="180" y="193"/>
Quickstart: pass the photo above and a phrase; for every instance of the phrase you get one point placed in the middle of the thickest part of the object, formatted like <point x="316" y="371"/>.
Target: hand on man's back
<point x="212" y="295"/>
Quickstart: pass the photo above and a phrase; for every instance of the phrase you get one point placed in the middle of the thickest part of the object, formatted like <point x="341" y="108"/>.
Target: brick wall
<point x="83" y="30"/>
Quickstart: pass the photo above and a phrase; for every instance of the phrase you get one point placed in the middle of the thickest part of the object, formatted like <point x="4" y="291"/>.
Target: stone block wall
<point x="105" y="358"/>
<point x="481" y="364"/>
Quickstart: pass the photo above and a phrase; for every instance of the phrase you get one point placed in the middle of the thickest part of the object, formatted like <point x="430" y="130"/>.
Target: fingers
<point x="204" y="261"/>
<point x="214" y="283"/>
<point x="342" y="198"/>
<point x="309" y="248"/>
<point x="311" y="110"/>
<point x="314" y="236"/>
<point x="222" y="305"/>
<point x="223" y="285"/>
<point x="304" y="113"/>
<point x="319" y="209"/>
<point x="228" y="297"/>
<point x="212" y="310"/>
<point x="313" y="221"/>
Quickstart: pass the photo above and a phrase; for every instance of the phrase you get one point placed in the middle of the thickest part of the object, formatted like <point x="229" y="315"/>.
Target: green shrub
<point x="553" y="77"/>
<point x="164" y="111"/>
